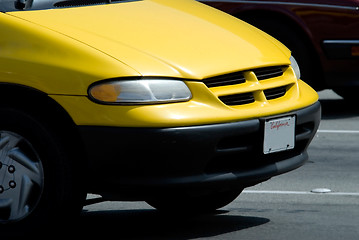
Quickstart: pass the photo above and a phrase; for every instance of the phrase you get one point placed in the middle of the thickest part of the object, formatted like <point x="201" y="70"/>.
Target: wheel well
<point x="49" y="113"/>
<point x="262" y="16"/>
<point x="273" y="23"/>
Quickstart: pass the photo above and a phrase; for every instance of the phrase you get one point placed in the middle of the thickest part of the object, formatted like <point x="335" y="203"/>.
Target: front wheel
<point x="22" y="177"/>
<point x="37" y="181"/>
<point x="207" y="203"/>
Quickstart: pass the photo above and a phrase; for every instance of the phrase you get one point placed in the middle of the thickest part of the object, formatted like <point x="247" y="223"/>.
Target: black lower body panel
<point x="138" y="162"/>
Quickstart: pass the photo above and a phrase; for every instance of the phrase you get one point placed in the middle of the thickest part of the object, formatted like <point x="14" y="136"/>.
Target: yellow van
<point x="170" y="102"/>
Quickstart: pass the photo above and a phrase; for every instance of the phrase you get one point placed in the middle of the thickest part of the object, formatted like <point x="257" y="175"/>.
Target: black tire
<point x="186" y="204"/>
<point x="42" y="169"/>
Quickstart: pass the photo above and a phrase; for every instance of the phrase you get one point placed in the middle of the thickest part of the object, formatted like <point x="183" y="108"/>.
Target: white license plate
<point x="279" y="134"/>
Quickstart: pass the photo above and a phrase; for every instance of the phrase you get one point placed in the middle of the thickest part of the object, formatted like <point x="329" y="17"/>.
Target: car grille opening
<point x="275" y="92"/>
<point x="274" y="87"/>
<point x="227" y="79"/>
<point x="268" y="72"/>
<point x="237" y="99"/>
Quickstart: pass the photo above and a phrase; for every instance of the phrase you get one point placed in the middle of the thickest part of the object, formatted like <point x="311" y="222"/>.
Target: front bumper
<point x="140" y="162"/>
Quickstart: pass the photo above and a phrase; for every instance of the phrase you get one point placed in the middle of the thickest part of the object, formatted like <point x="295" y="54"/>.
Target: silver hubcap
<point x="21" y="177"/>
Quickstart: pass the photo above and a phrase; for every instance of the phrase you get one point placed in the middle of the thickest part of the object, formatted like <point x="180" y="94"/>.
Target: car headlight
<point x="140" y="91"/>
<point x="295" y="66"/>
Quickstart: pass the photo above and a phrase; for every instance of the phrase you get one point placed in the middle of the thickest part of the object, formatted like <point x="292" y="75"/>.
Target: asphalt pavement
<point x="320" y="200"/>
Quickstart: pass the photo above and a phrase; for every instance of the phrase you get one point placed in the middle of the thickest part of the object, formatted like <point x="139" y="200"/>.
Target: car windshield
<point x="21" y="5"/>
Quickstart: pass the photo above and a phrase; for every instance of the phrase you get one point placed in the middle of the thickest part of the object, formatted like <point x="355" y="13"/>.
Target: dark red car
<point x="323" y="36"/>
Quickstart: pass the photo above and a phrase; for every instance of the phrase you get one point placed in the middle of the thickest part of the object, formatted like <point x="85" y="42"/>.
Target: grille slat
<point x="237" y="99"/>
<point x="268" y="72"/>
<point x="224" y="80"/>
<point x="275" y="92"/>
<point x="238" y="78"/>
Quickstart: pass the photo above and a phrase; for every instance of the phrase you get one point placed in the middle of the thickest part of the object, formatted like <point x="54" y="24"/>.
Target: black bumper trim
<point x="340" y="49"/>
<point x="136" y="161"/>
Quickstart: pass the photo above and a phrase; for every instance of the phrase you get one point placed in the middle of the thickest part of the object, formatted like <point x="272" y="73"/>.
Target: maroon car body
<point x="323" y="36"/>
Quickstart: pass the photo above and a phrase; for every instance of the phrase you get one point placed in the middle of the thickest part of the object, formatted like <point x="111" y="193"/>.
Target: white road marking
<point x="302" y="192"/>
<point x="339" y="131"/>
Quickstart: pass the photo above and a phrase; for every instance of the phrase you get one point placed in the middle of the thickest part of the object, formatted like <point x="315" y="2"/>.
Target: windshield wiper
<point x="47" y="4"/>
<point x="23" y="4"/>
<point x="73" y="3"/>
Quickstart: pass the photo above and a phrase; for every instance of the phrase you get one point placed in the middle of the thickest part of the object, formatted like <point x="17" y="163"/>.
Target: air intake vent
<point x="238" y="77"/>
<point x="250" y="84"/>
<point x="268" y="72"/>
<point x="237" y="99"/>
<point x="227" y="79"/>
<point x="275" y="92"/>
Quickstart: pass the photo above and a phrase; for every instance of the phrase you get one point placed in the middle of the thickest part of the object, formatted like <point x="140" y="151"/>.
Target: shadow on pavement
<point x="150" y="224"/>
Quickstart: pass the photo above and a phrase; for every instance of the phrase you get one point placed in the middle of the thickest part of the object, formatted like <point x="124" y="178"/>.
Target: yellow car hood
<point x="165" y="38"/>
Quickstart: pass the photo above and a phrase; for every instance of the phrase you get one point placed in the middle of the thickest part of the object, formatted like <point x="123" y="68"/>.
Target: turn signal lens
<point x="355" y="51"/>
<point x="295" y="66"/>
